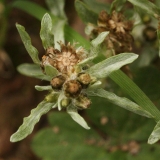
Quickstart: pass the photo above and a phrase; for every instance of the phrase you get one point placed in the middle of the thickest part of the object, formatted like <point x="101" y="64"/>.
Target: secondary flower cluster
<point x="119" y="38"/>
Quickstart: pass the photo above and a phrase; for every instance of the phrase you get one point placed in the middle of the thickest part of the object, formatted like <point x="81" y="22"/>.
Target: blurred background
<point x="116" y="134"/>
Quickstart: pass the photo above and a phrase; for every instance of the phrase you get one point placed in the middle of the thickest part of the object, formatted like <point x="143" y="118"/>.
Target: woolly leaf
<point x="104" y="68"/>
<point x="32" y="70"/>
<point x="29" y="122"/>
<point x="76" y="117"/>
<point x="33" y="52"/>
<point x="46" y="31"/>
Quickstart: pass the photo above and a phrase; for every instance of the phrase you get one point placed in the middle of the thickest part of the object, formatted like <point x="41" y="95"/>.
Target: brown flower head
<point x="119" y="38"/>
<point x="65" y="59"/>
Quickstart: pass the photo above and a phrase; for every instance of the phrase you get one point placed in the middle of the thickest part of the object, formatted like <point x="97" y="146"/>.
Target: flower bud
<point x="65" y="102"/>
<point x="57" y="82"/>
<point x="84" y="79"/>
<point x="72" y="88"/>
<point x="82" y="102"/>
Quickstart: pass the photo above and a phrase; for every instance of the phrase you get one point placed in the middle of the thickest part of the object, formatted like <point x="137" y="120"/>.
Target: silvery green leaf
<point x="33" y="52"/>
<point x="95" y="47"/>
<point x="76" y="117"/>
<point x="50" y="71"/>
<point x="56" y="7"/>
<point x="147" y="6"/>
<point x="99" y="39"/>
<point x="89" y="28"/>
<point x="86" y="13"/>
<point x="95" y="85"/>
<point x="58" y="31"/>
<point x="43" y="88"/>
<point x="111" y="64"/>
<point x="120" y="101"/>
<point x="32" y="70"/>
<point x="46" y="31"/>
<point x="29" y="122"/>
<point x="155" y="135"/>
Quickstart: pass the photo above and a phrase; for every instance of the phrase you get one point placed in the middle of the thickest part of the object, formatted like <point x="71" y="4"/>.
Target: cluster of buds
<point x="71" y="80"/>
<point x="119" y="38"/>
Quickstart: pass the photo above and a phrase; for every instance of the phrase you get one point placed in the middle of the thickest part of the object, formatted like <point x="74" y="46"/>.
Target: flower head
<point x="119" y="38"/>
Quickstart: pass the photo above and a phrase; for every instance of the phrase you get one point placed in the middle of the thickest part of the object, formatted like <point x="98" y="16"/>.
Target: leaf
<point x="46" y="31"/>
<point x="120" y="101"/>
<point x="27" y="43"/>
<point x="56" y="7"/>
<point x="58" y="31"/>
<point x="31" y="8"/>
<point x="117" y="4"/>
<point x="95" y="47"/>
<point x="86" y="13"/>
<point x="155" y="135"/>
<point x="147" y="6"/>
<point x="29" y="122"/>
<point x="32" y="70"/>
<point x="104" y="68"/>
<point x="99" y="39"/>
<point x="50" y="71"/>
<point x="135" y="93"/>
<point x="43" y="88"/>
<point x="97" y="5"/>
<point x="76" y="117"/>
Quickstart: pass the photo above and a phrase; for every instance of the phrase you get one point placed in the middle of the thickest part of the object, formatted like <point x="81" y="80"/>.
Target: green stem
<point x="135" y="93"/>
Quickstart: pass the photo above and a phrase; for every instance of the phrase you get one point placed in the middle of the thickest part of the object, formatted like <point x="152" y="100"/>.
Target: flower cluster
<point x="119" y="38"/>
<point x="71" y="80"/>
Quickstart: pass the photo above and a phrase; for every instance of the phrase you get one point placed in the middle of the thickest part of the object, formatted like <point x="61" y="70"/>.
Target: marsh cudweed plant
<point x="72" y="76"/>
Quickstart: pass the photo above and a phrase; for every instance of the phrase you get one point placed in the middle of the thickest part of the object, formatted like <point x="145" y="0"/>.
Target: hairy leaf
<point x="120" y="101"/>
<point x="32" y="70"/>
<point x="147" y="7"/>
<point x="46" y="31"/>
<point x="27" y="43"/>
<point x="155" y="135"/>
<point x="29" y="122"/>
<point x="43" y="88"/>
<point x="76" y="117"/>
<point x="104" y="68"/>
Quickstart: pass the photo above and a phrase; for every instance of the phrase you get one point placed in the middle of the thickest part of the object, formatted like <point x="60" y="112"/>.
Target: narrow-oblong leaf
<point x="46" y="32"/>
<point x="33" y="52"/>
<point x="99" y="39"/>
<point x="104" y="68"/>
<point x="29" y="122"/>
<point x="76" y="117"/>
<point x="56" y="7"/>
<point x="95" y="47"/>
<point x="58" y="31"/>
<point x="50" y="71"/>
<point x="147" y="7"/>
<point x="32" y="70"/>
<point x="86" y="13"/>
<point x="43" y="88"/>
<point x="120" y="101"/>
<point x="155" y="135"/>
